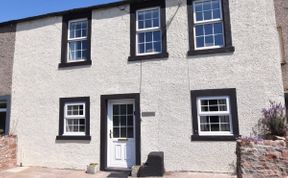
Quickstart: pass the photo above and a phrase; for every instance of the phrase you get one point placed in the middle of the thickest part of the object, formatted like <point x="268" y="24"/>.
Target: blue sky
<point x="16" y="9"/>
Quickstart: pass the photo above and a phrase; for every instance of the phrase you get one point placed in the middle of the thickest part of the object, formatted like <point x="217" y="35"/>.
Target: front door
<point x="121" y="133"/>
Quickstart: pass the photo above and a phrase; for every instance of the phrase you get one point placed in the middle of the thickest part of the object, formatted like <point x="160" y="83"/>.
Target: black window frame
<point x="231" y="93"/>
<point x="62" y="102"/>
<point x="7" y="100"/>
<point x="64" y="42"/>
<point x="134" y="7"/>
<point x="227" y="31"/>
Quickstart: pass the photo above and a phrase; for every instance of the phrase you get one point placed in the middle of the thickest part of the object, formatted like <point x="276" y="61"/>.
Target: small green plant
<point x="93" y="164"/>
<point x="273" y="122"/>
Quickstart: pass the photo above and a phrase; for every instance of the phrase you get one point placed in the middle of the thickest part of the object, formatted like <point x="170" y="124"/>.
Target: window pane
<point x="3" y="105"/>
<point x="116" y="110"/>
<point x="123" y="121"/>
<point x="123" y="109"/>
<point x="82" y="128"/>
<point x="141" y="38"/>
<point x="209" y="41"/>
<point x="130" y="121"/>
<point x="130" y="132"/>
<point x="2" y="122"/>
<point x="218" y="28"/>
<point x="205" y="127"/>
<point x="77" y="50"/>
<point x="208" y="15"/>
<point x="156" y="23"/>
<point x="148" y="36"/>
<point x="116" y="132"/>
<point x="141" y="48"/>
<point x="157" y="36"/>
<point x="149" y="42"/>
<point x="75" y="110"/>
<point x="123" y="133"/>
<point x="130" y="109"/>
<point x="199" y="30"/>
<point x="207" y="5"/>
<point x="141" y="24"/>
<point x="198" y="6"/>
<point x="78" y="29"/>
<point x="225" y="127"/>
<point x="207" y="10"/>
<point x="219" y="40"/>
<point x="156" y="14"/>
<point x="208" y="29"/>
<point x="149" y="48"/>
<point x="200" y="42"/>
<point x="199" y="16"/>
<point x="216" y="14"/>
<point x="224" y="119"/>
<point x="204" y="119"/>
<point x="148" y="23"/>
<point x="215" y="127"/>
<point x="140" y="16"/>
<point x="215" y="4"/>
<point x="214" y="119"/>
<point x="116" y="121"/>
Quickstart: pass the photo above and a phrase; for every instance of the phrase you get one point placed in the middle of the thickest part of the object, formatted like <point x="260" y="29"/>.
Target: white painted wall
<point x="253" y="69"/>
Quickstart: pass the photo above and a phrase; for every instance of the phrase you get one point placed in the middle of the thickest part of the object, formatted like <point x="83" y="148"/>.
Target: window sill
<point x="229" y="49"/>
<point x="62" y="137"/>
<point x="213" y="138"/>
<point x="147" y="57"/>
<point x="73" y="64"/>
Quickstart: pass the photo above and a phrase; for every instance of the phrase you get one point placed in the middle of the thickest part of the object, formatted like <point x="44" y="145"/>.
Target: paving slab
<point x="38" y="172"/>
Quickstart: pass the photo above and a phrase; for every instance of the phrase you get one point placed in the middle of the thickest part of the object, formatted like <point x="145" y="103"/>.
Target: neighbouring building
<point x="281" y="12"/>
<point x="7" y="42"/>
<point x="111" y="83"/>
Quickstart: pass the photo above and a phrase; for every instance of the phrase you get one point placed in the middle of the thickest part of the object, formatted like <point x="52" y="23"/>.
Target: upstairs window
<point x="149" y="32"/>
<point x="76" y="40"/>
<point x="209" y="27"/>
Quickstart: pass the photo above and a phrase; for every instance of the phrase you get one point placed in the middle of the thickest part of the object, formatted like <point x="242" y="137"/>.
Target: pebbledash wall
<point x="164" y="85"/>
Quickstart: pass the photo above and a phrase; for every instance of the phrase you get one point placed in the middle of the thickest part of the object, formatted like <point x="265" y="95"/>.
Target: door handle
<point x="110" y="133"/>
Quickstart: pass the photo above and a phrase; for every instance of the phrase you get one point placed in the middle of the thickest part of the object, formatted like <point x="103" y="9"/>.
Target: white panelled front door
<point x="121" y="133"/>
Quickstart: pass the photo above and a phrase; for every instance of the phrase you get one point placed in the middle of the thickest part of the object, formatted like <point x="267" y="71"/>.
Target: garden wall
<point x="8" y="150"/>
<point x="262" y="159"/>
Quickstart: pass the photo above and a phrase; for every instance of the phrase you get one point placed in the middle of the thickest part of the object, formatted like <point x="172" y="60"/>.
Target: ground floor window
<point x="74" y="119"/>
<point x="4" y="115"/>
<point x="214" y="114"/>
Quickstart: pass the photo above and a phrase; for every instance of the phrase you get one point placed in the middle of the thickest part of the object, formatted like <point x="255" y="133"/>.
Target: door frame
<point x="103" y="130"/>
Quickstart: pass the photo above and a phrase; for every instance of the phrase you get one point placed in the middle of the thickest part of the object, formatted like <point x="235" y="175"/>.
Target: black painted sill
<point x="147" y="57"/>
<point x="73" y="64"/>
<point x="66" y="137"/>
<point x="213" y="138"/>
<point x="228" y="49"/>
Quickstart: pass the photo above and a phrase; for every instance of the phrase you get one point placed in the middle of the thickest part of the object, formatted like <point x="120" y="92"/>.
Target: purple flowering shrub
<point x="273" y="122"/>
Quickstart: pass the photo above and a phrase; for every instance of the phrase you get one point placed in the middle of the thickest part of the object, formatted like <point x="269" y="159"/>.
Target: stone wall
<point x="263" y="159"/>
<point x="8" y="149"/>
